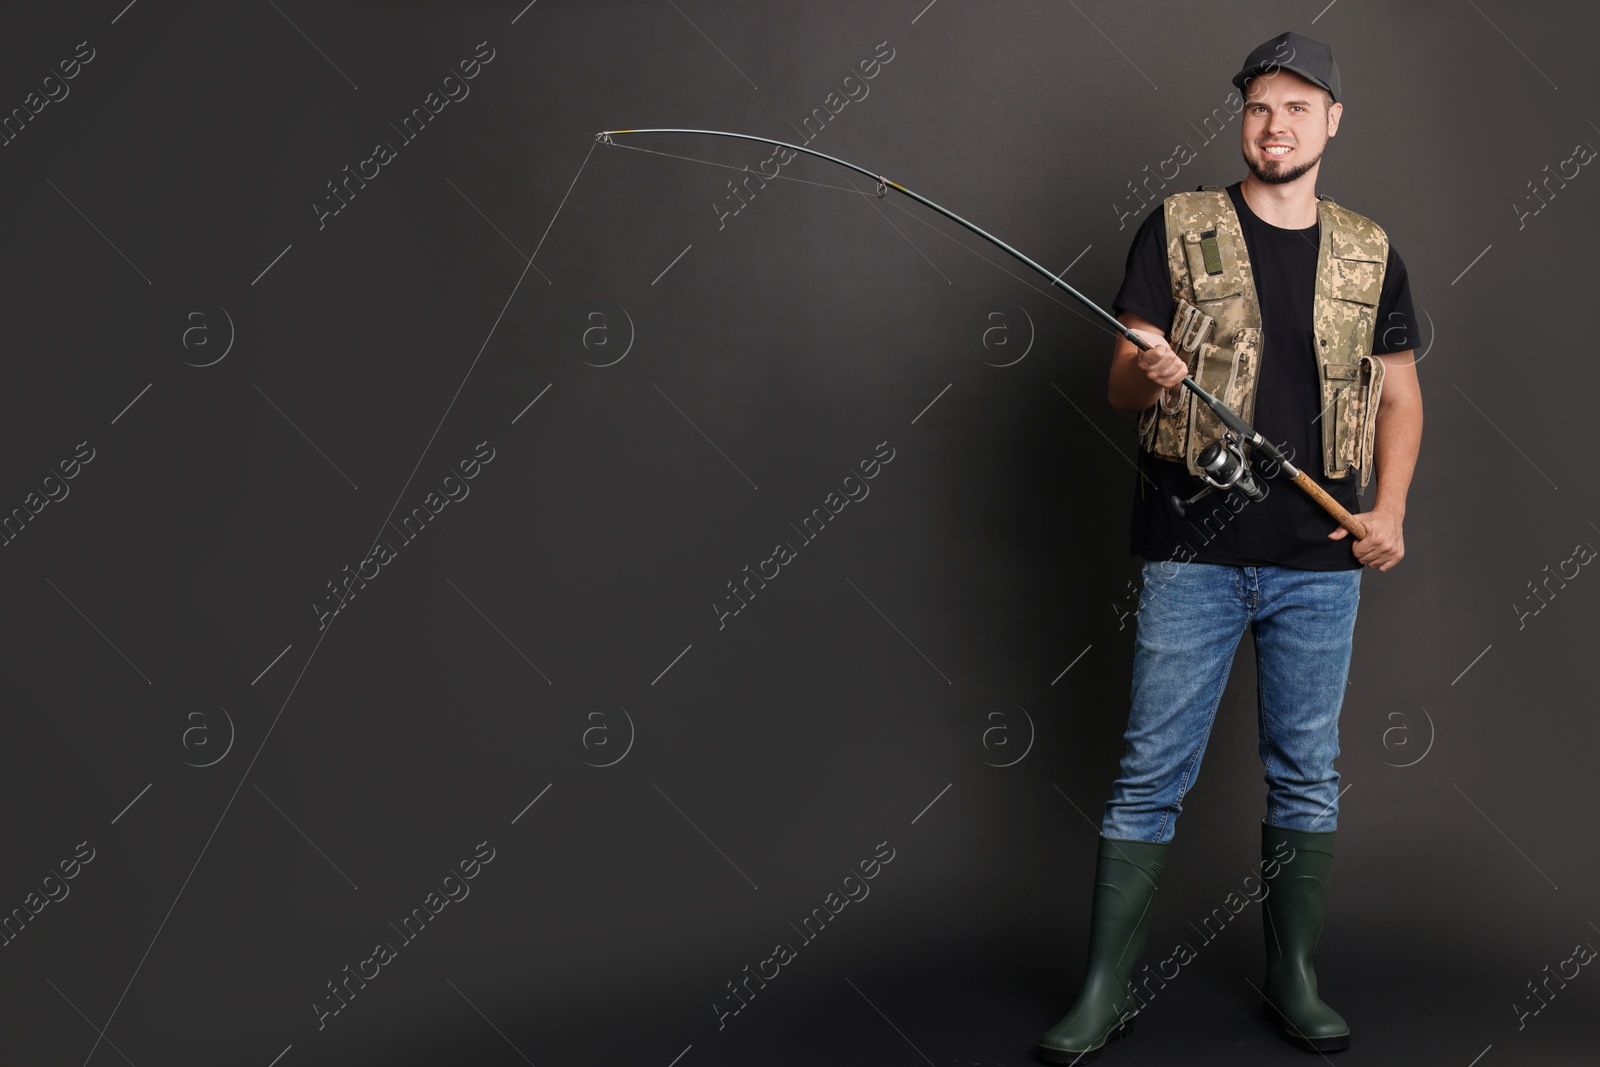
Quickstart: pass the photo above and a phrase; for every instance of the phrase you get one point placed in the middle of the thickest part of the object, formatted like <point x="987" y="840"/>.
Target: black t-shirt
<point x="1287" y="528"/>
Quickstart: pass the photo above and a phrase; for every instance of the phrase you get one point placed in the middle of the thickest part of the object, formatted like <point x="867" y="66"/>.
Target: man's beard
<point x="1279" y="176"/>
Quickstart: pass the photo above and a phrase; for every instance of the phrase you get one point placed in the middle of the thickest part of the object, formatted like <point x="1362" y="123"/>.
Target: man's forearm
<point x="1397" y="439"/>
<point x="1130" y="391"/>
<point x="1128" y="386"/>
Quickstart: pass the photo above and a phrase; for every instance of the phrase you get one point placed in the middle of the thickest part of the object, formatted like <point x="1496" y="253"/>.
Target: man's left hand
<point x="1383" y="546"/>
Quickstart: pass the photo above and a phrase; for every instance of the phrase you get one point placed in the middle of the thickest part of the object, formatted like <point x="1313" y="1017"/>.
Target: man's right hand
<point x="1138" y="375"/>
<point x="1159" y="363"/>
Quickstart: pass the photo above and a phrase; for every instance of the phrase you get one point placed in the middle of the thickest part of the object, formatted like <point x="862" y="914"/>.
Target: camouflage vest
<point x="1216" y="329"/>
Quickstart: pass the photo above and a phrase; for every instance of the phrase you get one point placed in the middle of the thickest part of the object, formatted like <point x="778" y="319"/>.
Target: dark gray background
<point x="865" y="696"/>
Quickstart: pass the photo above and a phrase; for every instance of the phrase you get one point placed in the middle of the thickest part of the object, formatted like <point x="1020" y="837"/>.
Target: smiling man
<point x="1297" y="312"/>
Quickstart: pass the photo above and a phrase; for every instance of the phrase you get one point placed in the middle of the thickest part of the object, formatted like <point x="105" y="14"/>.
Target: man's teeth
<point x="1276" y="150"/>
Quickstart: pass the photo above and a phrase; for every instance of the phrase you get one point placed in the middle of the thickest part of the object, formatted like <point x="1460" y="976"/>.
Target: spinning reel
<point x="1224" y="467"/>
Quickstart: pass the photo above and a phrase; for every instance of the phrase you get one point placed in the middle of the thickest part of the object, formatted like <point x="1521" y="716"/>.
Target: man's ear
<point x="1333" y="118"/>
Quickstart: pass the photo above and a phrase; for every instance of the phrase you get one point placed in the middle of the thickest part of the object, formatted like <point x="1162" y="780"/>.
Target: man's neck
<point x="1291" y="206"/>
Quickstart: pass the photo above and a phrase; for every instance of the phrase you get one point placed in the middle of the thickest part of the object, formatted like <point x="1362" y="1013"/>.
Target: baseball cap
<point x="1309" y="58"/>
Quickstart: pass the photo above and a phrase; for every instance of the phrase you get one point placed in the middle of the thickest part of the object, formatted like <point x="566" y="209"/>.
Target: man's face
<point x="1287" y="124"/>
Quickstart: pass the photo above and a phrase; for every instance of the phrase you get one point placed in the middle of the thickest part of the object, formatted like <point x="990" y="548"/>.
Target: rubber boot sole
<point x="1308" y="1044"/>
<point x="1055" y="1055"/>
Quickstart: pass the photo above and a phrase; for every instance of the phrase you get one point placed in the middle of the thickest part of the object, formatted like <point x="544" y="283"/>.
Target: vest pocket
<point x="1354" y="274"/>
<point x="1222" y="373"/>
<point x="1164" y="425"/>
<point x="1371" y="389"/>
<point x="1241" y="394"/>
<point x="1341" y="409"/>
<point x="1357" y="388"/>
<point x="1209" y="286"/>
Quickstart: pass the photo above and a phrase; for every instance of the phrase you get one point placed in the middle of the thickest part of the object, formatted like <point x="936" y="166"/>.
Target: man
<point x="1296" y="311"/>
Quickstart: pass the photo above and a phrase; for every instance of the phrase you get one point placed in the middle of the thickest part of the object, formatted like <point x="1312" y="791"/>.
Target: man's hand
<point x="1159" y="362"/>
<point x="1383" y="546"/>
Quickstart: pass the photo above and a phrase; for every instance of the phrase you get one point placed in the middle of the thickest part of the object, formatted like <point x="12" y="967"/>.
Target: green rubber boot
<point x="1126" y="877"/>
<point x="1292" y="918"/>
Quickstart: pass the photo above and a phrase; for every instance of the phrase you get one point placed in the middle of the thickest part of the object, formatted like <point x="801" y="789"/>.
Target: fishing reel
<point x="1223" y="466"/>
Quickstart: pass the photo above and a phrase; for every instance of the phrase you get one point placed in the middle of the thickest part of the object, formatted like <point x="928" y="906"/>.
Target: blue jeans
<point x="1191" y="619"/>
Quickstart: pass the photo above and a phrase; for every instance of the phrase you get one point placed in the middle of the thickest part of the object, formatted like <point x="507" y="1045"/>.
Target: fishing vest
<point x="1216" y="330"/>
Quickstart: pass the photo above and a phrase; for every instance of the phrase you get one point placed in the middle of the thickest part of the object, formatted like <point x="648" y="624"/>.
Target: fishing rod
<point x="1226" y="415"/>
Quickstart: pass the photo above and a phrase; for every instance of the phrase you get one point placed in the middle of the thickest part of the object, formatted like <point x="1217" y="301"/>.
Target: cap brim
<point x="1241" y="79"/>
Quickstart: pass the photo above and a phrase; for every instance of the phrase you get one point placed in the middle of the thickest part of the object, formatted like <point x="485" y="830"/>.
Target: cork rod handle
<point x="1330" y="505"/>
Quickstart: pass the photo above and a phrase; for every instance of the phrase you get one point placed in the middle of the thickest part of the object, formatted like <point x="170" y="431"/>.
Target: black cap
<point x="1311" y="59"/>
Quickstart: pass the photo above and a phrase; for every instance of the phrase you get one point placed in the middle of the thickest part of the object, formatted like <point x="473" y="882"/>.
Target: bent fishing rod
<point x="1226" y="415"/>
